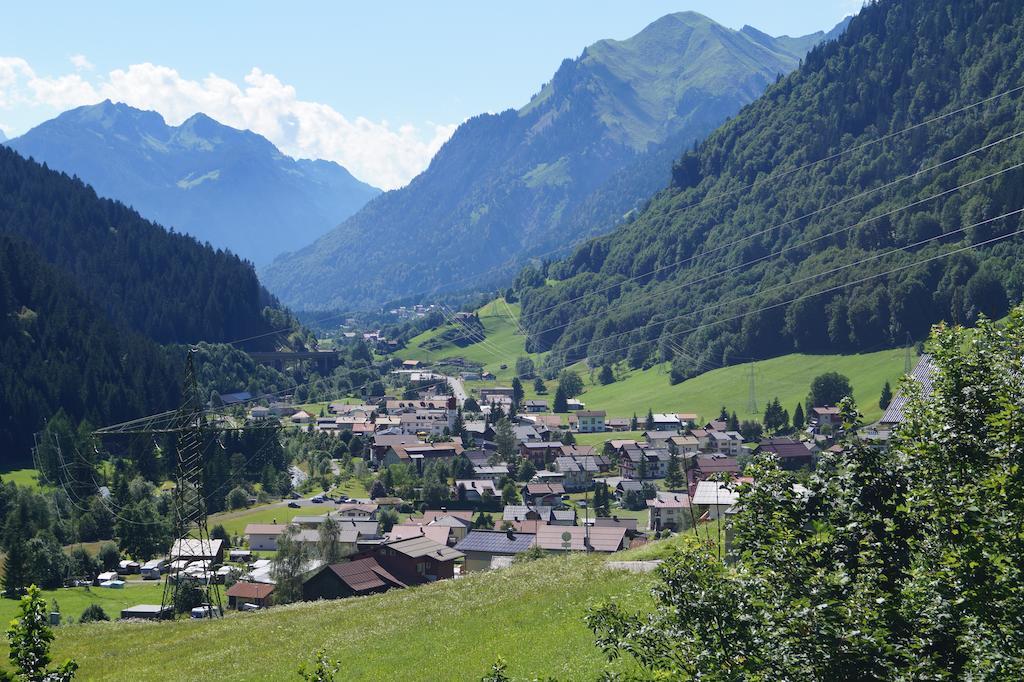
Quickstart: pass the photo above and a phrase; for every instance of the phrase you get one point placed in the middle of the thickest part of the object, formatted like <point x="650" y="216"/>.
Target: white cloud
<point x="81" y="63"/>
<point x="378" y="152"/>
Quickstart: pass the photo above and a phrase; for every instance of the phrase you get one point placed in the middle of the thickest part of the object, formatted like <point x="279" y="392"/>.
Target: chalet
<point x="686" y="444"/>
<point x="263" y="536"/>
<point x="581" y="538"/>
<point x="258" y="413"/>
<point x="792" y="454"/>
<point x="728" y="442"/>
<point x="707" y="465"/>
<point x="543" y="493"/>
<point x="419" y="454"/>
<point x="282" y="409"/>
<point x="668" y="510"/>
<point x="716" y="425"/>
<point x="191" y="549"/>
<point x="361" y="511"/>
<point x="687" y="419"/>
<point x="703" y="437"/>
<point x="617" y="424"/>
<point x="431" y="515"/>
<point x="590" y="421"/>
<point x="537" y="406"/>
<point x="545" y="422"/>
<point x="417" y="560"/>
<point x="714" y="496"/>
<point x="492" y="393"/>
<point x="475" y="490"/>
<point x="411" y="364"/>
<point x="403" y="406"/>
<point x="655" y="461"/>
<point x="243" y="592"/>
<point x="430" y="422"/>
<point x="228" y="399"/>
<point x="577" y="472"/>
<point x="627" y="485"/>
<point x="541" y="453"/>
<point x="526" y="433"/>
<point x="352" y="578"/>
<point x="301" y="417"/>
<point x="482" y="546"/>
<point x="440" y="534"/>
<point x="491" y="473"/>
<point x="658" y="439"/>
<point x="615" y="521"/>
<point x="825" y="418"/>
<point x="480" y="430"/>
<point x="381" y="443"/>
<point x="665" y="422"/>
<point x="573" y="405"/>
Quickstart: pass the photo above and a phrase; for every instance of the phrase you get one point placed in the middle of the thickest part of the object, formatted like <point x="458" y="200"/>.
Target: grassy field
<point x="503" y="344"/>
<point x="235" y="522"/>
<point x="74" y="600"/>
<point x="26" y="478"/>
<point x="601" y="438"/>
<point x="787" y="377"/>
<point x="531" y="614"/>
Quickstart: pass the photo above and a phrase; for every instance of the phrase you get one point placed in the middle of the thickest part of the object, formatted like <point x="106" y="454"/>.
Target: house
<point x="381" y="443"/>
<point x="577" y="472"/>
<point x="686" y="444"/>
<point x="243" y="592"/>
<point x="665" y="422"/>
<point x="581" y="538"/>
<point x="491" y="473"/>
<point x="562" y="517"/>
<point x="617" y="424"/>
<point x="474" y="490"/>
<point x="545" y="422"/>
<point x="480" y="430"/>
<point x="541" y="453"/>
<point x="153" y="569"/>
<point x="728" y="442"/>
<point x="357" y="510"/>
<point x="431" y="515"/>
<point x="543" y="493"/>
<point x="259" y="413"/>
<point x="590" y="421"/>
<point x="668" y="510"/>
<point x="430" y="422"/>
<point x="655" y="461"/>
<point x="410" y="364"/>
<point x="717" y="425"/>
<point x="703" y="437"/>
<point x="493" y="393"/>
<point x="228" y="399"/>
<point x="615" y="521"/>
<point x="418" y="560"/>
<point x="419" y="454"/>
<point x="573" y="405"/>
<point x="716" y="496"/>
<point x="534" y="406"/>
<point x="263" y="536"/>
<point x="825" y="418"/>
<point x="348" y="579"/>
<point x="687" y="419"/>
<point x="707" y="465"/>
<point x="627" y="485"/>
<point x="301" y="417"/>
<point x="658" y="439"/>
<point x="481" y="546"/>
<point x="526" y="433"/>
<point x="440" y="534"/>
<point x="282" y="409"/>
<point x="792" y="454"/>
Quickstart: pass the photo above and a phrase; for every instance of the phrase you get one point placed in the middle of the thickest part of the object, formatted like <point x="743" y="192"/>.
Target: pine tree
<point x="883" y="402"/>
<point x="16" y="577"/>
<point x="561" y="402"/>
<point x="734" y="422"/>
<point x="674" y="476"/>
<point x="723" y="414"/>
<point x="641" y="467"/>
<point x="517" y="393"/>
<point x="633" y="423"/>
<point x="798" y="416"/>
<point x="649" y="423"/>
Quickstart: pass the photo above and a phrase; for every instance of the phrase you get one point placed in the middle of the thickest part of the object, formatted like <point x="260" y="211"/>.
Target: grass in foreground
<point x="532" y="615"/>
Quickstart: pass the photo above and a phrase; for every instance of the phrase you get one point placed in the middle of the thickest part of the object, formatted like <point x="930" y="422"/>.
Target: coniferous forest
<point x="750" y="223"/>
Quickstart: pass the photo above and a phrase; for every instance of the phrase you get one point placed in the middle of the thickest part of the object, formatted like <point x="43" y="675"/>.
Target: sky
<point x="377" y="87"/>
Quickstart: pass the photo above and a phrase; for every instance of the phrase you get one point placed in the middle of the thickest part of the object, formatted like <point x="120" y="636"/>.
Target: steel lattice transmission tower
<point x="191" y="535"/>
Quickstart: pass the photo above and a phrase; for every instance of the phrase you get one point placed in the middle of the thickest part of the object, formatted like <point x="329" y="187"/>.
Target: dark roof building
<point x="792" y="454"/>
<point x="351" y="578"/>
<point x="481" y="546"/>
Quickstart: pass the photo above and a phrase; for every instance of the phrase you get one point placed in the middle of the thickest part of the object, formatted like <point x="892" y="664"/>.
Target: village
<point x="464" y="483"/>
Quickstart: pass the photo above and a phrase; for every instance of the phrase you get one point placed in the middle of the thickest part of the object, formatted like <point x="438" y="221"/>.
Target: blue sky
<point x="378" y="86"/>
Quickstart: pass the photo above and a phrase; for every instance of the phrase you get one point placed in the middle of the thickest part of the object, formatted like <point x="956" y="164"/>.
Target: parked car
<point x="294" y="505"/>
<point x="318" y="499"/>
<point x="249" y="606"/>
<point x="203" y="611"/>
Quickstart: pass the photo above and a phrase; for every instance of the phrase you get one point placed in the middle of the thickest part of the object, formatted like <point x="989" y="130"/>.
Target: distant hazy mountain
<point x="592" y="145"/>
<point x="3" y="137"/>
<point x="230" y="187"/>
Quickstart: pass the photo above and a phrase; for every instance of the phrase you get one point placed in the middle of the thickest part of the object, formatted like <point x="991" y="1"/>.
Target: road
<point x="458" y="389"/>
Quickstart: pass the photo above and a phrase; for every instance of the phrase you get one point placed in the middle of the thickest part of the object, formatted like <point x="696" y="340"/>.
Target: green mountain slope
<point x="448" y="630"/>
<point x="230" y="187"/>
<point x="706" y="273"/>
<point x="588" y="148"/>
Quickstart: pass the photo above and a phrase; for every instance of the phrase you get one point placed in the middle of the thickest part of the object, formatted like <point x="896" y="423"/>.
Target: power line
<point x="772" y="228"/>
<point x="785" y="249"/>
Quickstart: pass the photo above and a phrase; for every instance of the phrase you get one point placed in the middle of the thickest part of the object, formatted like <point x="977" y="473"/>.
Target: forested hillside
<point x="755" y="251"/>
<point x="166" y="286"/>
<point x="591" y="146"/>
<point x="230" y="187"/>
<point x="61" y="353"/>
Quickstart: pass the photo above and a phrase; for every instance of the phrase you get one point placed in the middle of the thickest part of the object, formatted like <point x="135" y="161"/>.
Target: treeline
<point x="707" y="293"/>
<point x="164" y="285"/>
